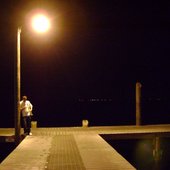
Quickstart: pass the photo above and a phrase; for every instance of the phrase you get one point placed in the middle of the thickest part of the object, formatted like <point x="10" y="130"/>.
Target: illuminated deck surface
<point x="73" y="148"/>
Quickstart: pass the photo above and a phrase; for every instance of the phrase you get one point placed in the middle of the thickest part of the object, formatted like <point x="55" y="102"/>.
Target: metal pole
<point x="138" y="103"/>
<point x="18" y="89"/>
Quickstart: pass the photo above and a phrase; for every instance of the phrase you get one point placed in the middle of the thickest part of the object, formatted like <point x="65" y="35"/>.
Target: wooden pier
<point x="74" y="148"/>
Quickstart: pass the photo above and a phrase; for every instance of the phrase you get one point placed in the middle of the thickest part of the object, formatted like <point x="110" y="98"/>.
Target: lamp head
<point x="40" y="23"/>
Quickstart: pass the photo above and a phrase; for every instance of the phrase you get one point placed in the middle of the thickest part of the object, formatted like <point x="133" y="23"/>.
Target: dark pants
<point x="27" y="124"/>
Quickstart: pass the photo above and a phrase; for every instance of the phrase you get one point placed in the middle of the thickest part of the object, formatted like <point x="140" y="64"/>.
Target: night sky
<point x="87" y="66"/>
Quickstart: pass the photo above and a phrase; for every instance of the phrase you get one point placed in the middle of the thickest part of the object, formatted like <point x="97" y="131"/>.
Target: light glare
<point x="40" y="23"/>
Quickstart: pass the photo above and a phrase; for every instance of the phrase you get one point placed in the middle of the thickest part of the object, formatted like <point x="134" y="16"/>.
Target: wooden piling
<point x="138" y="103"/>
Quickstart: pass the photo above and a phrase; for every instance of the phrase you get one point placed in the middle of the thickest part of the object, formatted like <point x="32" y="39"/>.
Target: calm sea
<point x="139" y="152"/>
<point x="6" y="149"/>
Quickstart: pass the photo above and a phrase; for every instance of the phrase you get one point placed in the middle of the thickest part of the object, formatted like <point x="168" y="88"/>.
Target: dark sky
<point x="95" y="50"/>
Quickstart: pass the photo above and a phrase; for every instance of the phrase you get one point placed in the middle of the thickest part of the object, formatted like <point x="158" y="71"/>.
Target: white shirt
<point x="26" y="108"/>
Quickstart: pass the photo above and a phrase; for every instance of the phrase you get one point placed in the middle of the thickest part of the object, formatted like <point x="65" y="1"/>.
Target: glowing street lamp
<point x="40" y="24"/>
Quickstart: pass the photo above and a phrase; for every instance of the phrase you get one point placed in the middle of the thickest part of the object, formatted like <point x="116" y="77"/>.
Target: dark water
<point x="139" y="152"/>
<point x="99" y="113"/>
<point x="5" y="150"/>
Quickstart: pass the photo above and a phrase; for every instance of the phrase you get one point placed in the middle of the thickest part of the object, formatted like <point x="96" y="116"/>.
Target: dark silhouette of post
<point x="138" y="103"/>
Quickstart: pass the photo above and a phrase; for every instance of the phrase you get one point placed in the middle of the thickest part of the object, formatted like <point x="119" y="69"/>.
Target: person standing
<point x="26" y="111"/>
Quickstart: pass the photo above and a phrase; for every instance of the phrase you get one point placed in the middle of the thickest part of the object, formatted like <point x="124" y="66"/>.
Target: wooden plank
<point x="31" y="153"/>
<point x="98" y="155"/>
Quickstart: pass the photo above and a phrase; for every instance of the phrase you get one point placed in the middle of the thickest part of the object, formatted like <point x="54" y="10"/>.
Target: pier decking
<point x="74" y="148"/>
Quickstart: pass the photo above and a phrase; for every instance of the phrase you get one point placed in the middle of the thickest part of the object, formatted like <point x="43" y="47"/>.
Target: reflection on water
<point x="140" y="153"/>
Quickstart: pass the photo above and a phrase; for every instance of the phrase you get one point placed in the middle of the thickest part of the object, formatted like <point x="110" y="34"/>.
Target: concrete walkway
<point x="65" y="149"/>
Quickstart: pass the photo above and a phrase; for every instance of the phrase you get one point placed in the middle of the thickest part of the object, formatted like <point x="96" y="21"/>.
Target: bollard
<point x="85" y="123"/>
<point x="138" y="103"/>
<point x="33" y="124"/>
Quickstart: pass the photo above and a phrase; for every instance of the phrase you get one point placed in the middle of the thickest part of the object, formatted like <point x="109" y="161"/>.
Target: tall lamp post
<point x="40" y="24"/>
<point x="18" y="88"/>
